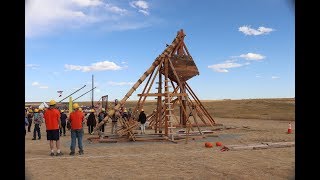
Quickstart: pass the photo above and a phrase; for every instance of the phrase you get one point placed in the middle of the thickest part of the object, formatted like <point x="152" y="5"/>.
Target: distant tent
<point x="43" y="105"/>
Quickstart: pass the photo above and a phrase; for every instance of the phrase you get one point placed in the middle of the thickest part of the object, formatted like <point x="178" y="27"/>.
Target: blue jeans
<point x="76" y="134"/>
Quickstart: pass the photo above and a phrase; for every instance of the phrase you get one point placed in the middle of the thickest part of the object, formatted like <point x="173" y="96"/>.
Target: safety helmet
<point x="80" y="109"/>
<point x="40" y="109"/>
<point x="30" y="110"/>
<point x="91" y="110"/>
<point x="36" y="110"/>
<point x="103" y="109"/>
<point x="62" y="110"/>
<point x="75" y="105"/>
<point x="52" y="102"/>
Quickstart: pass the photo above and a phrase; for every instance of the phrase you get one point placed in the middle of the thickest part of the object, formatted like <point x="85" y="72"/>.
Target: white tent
<point x="43" y="105"/>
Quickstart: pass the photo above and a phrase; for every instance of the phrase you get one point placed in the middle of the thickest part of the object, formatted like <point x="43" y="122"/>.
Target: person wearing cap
<point x="114" y="121"/>
<point x="142" y="119"/>
<point x="125" y="114"/>
<point x="37" y="119"/>
<point x="53" y="123"/>
<point x="30" y="117"/>
<point x="63" y="119"/>
<point x="102" y="114"/>
<point x="91" y="121"/>
<point x="76" y="121"/>
<point x="129" y="113"/>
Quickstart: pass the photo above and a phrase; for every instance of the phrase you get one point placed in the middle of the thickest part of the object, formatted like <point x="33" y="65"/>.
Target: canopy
<point x="43" y="105"/>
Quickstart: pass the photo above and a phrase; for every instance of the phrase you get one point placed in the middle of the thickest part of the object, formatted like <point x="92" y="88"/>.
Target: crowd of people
<point x="58" y="123"/>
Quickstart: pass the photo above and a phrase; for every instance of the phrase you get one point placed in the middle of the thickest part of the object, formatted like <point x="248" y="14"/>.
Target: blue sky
<point x="242" y="48"/>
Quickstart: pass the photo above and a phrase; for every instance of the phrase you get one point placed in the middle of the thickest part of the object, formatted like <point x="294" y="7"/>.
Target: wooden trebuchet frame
<point x="174" y="66"/>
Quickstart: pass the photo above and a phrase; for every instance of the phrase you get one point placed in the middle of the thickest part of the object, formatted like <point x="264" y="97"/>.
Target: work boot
<point x="59" y="154"/>
<point x="33" y="138"/>
<point x="72" y="153"/>
<point x="80" y="152"/>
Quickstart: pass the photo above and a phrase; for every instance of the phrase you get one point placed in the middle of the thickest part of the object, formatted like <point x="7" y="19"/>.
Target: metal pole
<point x="71" y="94"/>
<point x="92" y="93"/>
<point x="83" y="94"/>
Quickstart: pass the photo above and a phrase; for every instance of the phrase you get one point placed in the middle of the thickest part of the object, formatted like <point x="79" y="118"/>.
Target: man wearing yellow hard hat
<point x="38" y="120"/>
<point x="91" y="121"/>
<point x="76" y="121"/>
<point x="53" y="123"/>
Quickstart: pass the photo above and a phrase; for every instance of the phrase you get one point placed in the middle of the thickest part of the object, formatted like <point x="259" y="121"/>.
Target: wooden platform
<point x="263" y="145"/>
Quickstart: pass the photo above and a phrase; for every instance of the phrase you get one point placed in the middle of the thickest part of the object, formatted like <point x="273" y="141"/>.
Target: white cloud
<point x="35" y="83"/>
<point x="120" y="83"/>
<point x="146" y="13"/>
<point x="99" y="66"/>
<point x="38" y="85"/>
<point x="32" y="66"/>
<point x="43" y="17"/>
<point x="223" y="67"/>
<point x="275" y="77"/>
<point x="141" y="5"/>
<point x="115" y="9"/>
<point x="247" y="30"/>
<point x="87" y="3"/>
<point x="126" y="26"/>
<point x="252" y="56"/>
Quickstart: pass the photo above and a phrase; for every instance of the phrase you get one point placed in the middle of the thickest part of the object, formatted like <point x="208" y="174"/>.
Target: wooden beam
<point x="163" y="94"/>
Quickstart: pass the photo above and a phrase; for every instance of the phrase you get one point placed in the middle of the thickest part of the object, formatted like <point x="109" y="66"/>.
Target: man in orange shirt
<point x="52" y="120"/>
<point x="76" y="119"/>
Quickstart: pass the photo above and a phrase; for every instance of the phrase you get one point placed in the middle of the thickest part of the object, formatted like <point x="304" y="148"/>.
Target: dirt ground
<point x="167" y="160"/>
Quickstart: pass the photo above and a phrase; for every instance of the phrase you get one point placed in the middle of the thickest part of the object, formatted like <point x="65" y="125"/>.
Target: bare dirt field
<point x="267" y="122"/>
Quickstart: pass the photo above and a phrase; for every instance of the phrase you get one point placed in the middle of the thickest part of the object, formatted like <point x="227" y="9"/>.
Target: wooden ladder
<point x="170" y="116"/>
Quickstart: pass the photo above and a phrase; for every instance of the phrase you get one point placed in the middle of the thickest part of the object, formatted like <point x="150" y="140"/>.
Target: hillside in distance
<point x="273" y="108"/>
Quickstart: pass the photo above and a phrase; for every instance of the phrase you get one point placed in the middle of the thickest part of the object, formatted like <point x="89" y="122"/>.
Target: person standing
<point x="30" y="116"/>
<point x="101" y="116"/>
<point x="63" y="119"/>
<point x="91" y="121"/>
<point x="114" y="121"/>
<point x="125" y="115"/>
<point x="37" y="119"/>
<point x="142" y="119"/>
<point x="76" y="121"/>
<point x="26" y="122"/>
<point x="52" y="121"/>
<point x="129" y="113"/>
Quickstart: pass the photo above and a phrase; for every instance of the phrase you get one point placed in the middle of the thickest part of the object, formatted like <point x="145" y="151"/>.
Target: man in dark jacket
<point x="142" y="119"/>
<point x="91" y="121"/>
<point x="63" y="119"/>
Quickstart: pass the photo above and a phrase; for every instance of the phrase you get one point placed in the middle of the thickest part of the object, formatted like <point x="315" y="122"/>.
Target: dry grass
<point x="278" y="108"/>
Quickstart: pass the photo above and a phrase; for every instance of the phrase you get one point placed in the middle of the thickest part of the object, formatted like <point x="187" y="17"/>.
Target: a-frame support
<point x="173" y="68"/>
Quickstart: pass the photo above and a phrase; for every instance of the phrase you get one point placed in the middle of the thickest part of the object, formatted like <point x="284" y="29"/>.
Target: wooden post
<point x="166" y="91"/>
<point x="183" y="117"/>
<point x="159" y="105"/>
